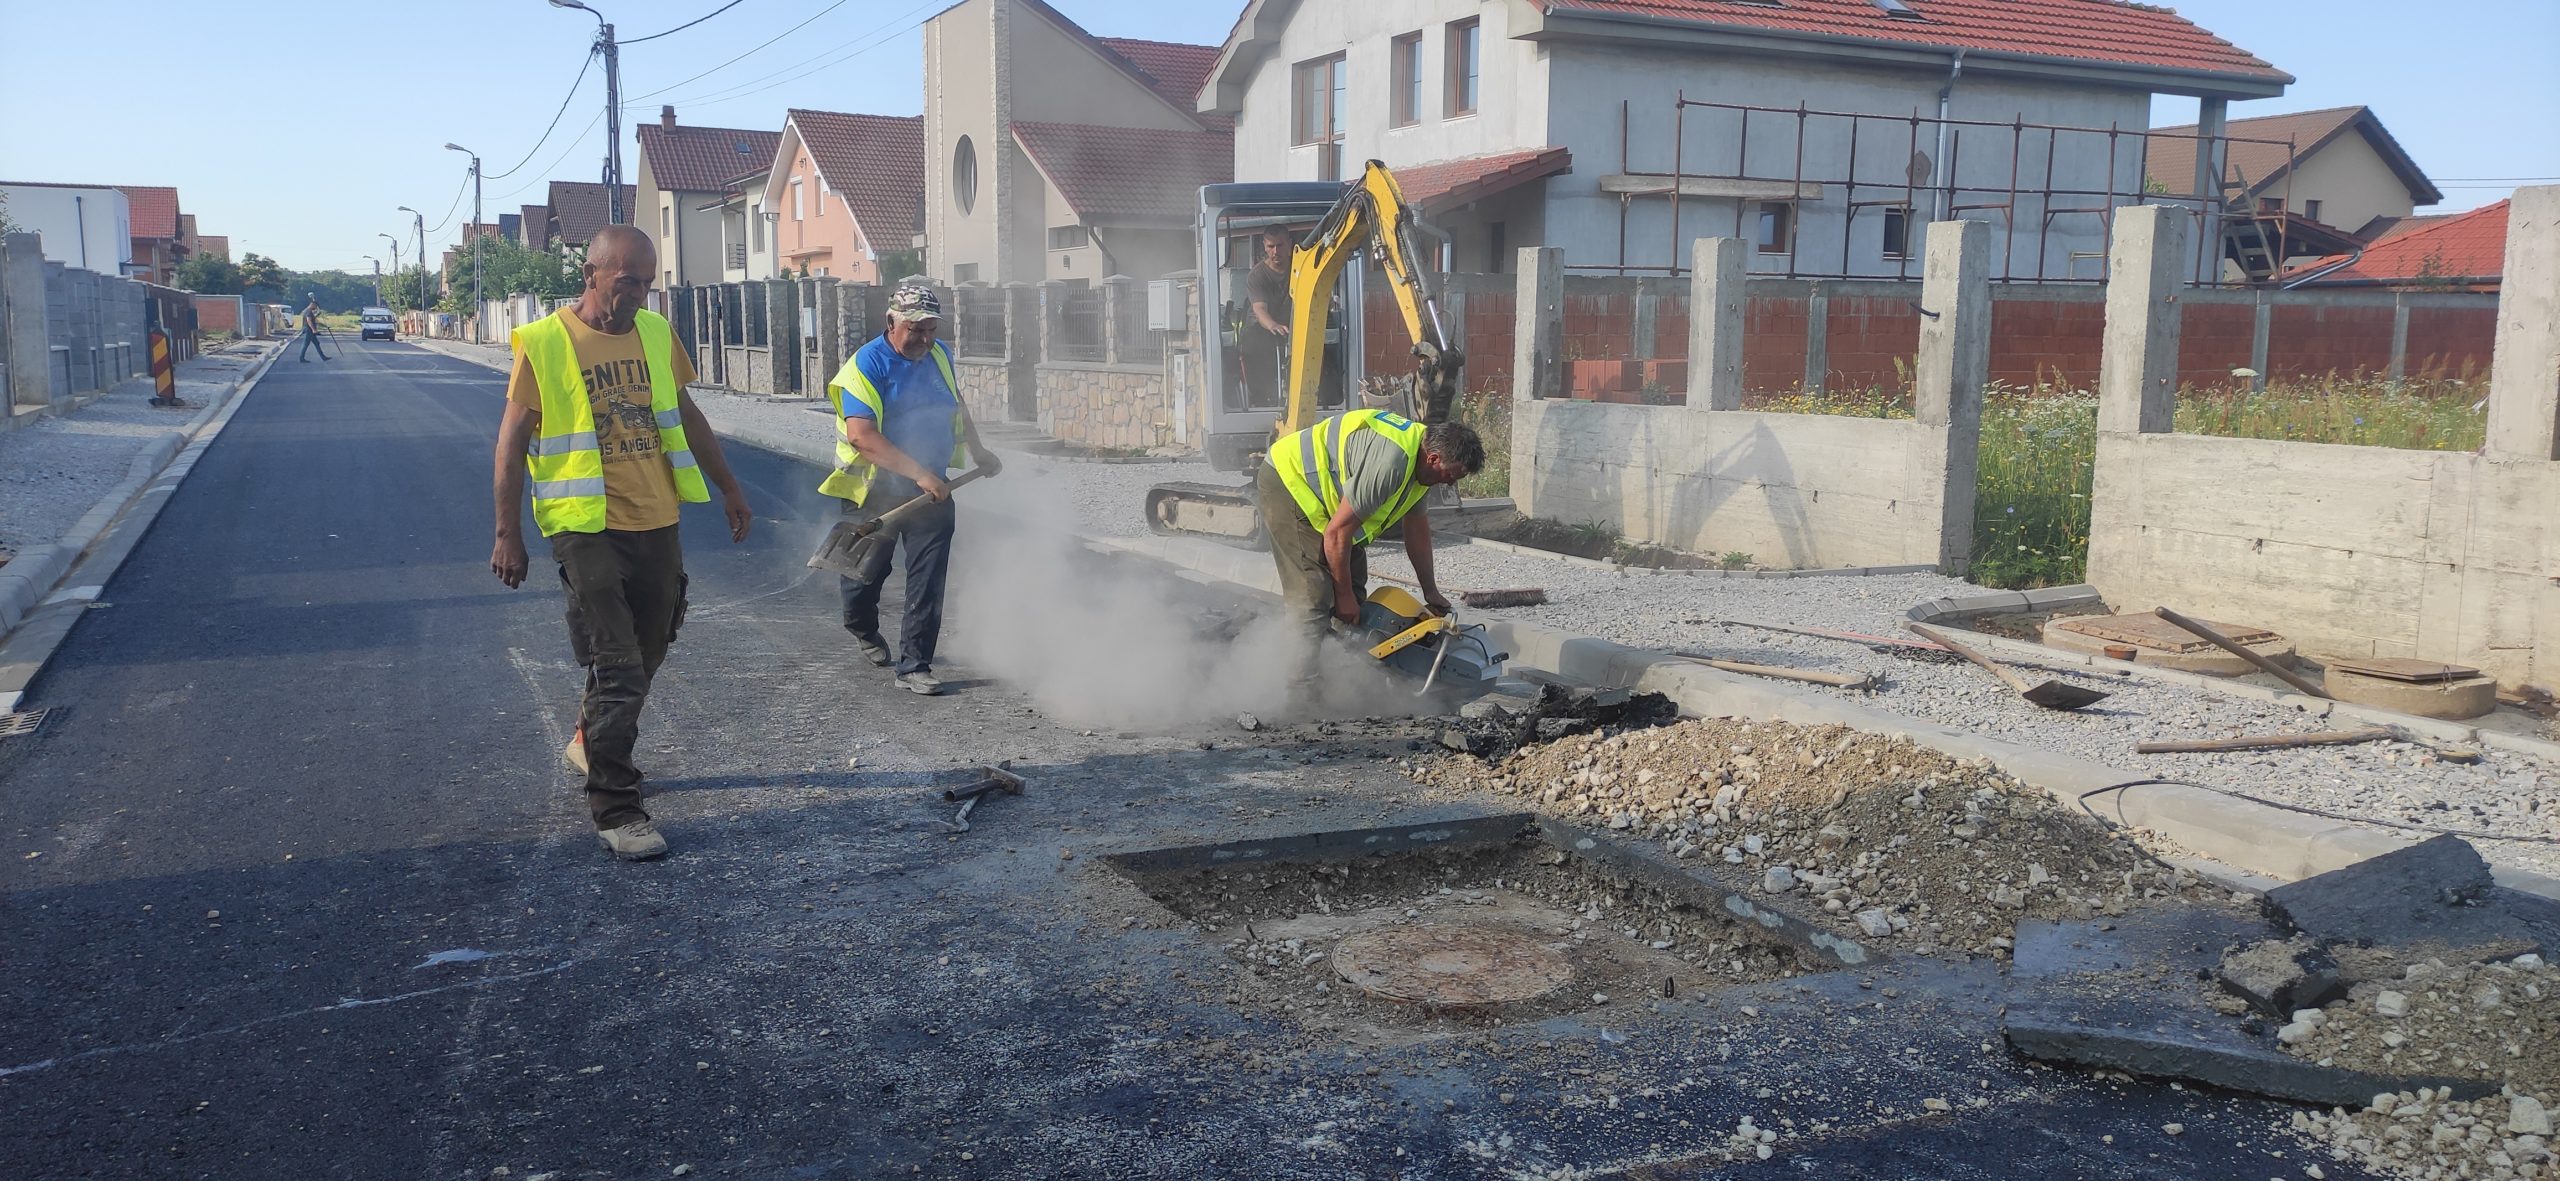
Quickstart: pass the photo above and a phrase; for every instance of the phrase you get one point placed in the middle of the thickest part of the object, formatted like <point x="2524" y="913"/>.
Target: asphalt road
<point x="297" y="886"/>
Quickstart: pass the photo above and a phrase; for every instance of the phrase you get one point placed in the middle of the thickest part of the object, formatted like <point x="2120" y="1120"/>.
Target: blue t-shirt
<point x="919" y="405"/>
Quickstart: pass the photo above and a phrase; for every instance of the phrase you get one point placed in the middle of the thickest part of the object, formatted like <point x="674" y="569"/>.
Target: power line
<point x="2503" y="180"/>
<point x="465" y="187"/>
<point x="688" y="24"/>
<point x="583" y="67"/>
<point x="741" y="57"/>
<point x="895" y="28"/>
<point x="544" y="175"/>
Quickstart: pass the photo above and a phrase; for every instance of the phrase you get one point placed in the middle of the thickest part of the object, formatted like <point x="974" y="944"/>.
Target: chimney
<point x="667" y="116"/>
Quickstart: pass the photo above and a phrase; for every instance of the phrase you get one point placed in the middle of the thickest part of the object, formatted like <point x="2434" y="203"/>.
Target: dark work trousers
<point x="626" y="599"/>
<point x="926" y="536"/>
<point x="1306" y="583"/>
<point x="310" y="341"/>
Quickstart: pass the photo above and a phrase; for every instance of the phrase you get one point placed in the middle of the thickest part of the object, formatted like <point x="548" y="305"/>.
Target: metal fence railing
<point x="982" y="330"/>
<point x="1080" y="327"/>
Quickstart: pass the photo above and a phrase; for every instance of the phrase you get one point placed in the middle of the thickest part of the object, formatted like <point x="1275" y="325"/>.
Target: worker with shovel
<point x="902" y="429"/>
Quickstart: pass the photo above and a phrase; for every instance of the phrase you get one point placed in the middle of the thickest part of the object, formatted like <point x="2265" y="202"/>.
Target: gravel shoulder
<point x="53" y="471"/>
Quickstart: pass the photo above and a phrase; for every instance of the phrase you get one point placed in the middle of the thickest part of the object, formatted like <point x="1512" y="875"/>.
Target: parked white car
<point x="379" y="321"/>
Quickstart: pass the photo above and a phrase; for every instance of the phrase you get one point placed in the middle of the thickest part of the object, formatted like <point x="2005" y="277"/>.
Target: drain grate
<point x="18" y="725"/>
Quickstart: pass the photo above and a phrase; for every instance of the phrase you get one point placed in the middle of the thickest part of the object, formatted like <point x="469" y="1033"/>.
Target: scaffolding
<point x="1832" y="164"/>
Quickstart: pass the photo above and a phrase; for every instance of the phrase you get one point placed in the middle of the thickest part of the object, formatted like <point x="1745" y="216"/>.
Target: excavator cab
<point x="1248" y="368"/>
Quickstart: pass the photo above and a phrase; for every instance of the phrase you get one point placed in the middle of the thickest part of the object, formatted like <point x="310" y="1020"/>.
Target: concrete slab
<point x="2452" y="700"/>
<point x="2436" y="893"/>
<point x="2160" y="644"/>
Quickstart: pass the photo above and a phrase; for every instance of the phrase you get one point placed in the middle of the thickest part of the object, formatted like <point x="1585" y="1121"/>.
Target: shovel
<point x="850" y="543"/>
<point x="2050" y="694"/>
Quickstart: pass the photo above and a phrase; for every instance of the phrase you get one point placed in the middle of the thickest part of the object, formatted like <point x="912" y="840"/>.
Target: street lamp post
<point x="425" y="299"/>
<point x="476" y="317"/>
<point x="377" y="279"/>
<point x="614" y="212"/>
<point x="395" y="262"/>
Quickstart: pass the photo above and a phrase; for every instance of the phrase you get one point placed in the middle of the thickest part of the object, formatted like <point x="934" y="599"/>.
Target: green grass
<point x="1489" y="411"/>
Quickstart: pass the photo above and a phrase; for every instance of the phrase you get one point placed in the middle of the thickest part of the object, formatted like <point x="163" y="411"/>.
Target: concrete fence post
<point x="1817" y="336"/>
<point x="1537" y="337"/>
<point x="2399" y="370"/>
<point x="2138" y="362"/>
<point x="1953" y="362"/>
<point x="22" y="307"/>
<point x="782" y="335"/>
<point x="2524" y="367"/>
<point x="2261" y="334"/>
<point x="1646" y="307"/>
<point x="1053" y="315"/>
<point x="1717" y="272"/>
<point x="1118" y="291"/>
<point x="831" y="343"/>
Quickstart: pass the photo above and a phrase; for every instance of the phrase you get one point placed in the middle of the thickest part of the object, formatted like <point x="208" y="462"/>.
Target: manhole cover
<point x="1450" y="965"/>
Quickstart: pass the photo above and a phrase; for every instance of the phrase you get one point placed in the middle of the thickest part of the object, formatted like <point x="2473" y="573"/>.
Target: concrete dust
<point x="1879" y="837"/>
<point x="2496" y="1021"/>
<point x="1111" y="644"/>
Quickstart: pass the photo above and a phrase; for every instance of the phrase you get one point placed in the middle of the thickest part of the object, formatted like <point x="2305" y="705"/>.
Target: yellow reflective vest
<point x="566" y="466"/>
<point x="851" y="480"/>
<point x="1310" y="466"/>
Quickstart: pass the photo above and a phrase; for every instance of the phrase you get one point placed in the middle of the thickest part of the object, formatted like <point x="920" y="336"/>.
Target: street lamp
<point x="395" y="263"/>
<point x="423" y="301"/>
<point x="377" y="279"/>
<point x="476" y="317"/>
<point x="614" y="212"/>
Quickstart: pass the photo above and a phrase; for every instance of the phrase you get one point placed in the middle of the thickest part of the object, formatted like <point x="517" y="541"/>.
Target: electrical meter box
<point x="1167" y="311"/>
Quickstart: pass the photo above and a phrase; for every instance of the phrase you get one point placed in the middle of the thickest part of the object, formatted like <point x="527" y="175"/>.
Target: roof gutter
<point x="1551" y="23"/>
<point x="2314" y="276"/>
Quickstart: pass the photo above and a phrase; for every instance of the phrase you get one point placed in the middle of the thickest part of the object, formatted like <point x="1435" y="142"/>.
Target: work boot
<point x="636" y="841"/>
<point x="873" y="648"/>
<point x="576" y="751"/>
<point x="920" y="681"/>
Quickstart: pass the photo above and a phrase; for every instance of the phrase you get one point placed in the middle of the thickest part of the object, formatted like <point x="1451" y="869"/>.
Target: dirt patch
<point x="2026" y="625"/>
<point x="1622" y="942"/>
<point x="1596" y="540"/>
<point x="1875" y="836"/>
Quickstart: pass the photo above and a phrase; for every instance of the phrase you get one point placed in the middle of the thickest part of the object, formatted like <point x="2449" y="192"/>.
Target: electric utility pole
<point x="377" y="278"/>
<point x="426" y="298"/>
<point x="476" y="297"/>
<point x="614" y="212"/>
<point x="395" y="267"/>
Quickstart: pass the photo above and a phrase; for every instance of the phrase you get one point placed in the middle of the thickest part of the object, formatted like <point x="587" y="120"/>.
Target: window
<point x="1897" y="232"/>
<point x="966" y="272"/>
<point x="1778" y="227"/>
<point x="2270" y="204"/>
<point x="1317" y="101"/>
<point x="1461" y="62"/>
<point x="964" y="175"/>
<point x="1404" y="62"/>
<point x="1074" y="237"/>
<point x="755" y="222"/>
<point x="666" y="223"/>
<point x="1497" y="244"/>
<point x="797" y="209"/>
<point x="2311" y="209"/>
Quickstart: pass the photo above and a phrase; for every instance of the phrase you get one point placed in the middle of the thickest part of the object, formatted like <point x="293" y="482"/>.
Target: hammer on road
<point x="998" y="778"/>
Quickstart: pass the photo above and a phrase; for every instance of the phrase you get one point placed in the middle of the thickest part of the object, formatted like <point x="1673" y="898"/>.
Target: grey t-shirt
<point x="1373" y="470"/>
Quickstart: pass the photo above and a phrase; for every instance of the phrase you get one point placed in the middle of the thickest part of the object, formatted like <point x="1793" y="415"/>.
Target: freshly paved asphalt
<point x="295" y="885"/>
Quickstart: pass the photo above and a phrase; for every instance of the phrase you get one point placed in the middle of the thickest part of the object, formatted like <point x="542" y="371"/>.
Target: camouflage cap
<point x="911" y="304"/>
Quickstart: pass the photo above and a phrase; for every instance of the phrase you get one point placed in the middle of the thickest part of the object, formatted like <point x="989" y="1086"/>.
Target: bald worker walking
<point x="599" y="423"/>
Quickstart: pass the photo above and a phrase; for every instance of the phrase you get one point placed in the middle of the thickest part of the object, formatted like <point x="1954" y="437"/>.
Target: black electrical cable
<point x="827" y="60"/>
<point x="687" y="25"/>
<point x="450" y="210"/>
<point x="555" y="121"/>
<point x="2304" y="809"/>
<point x="741" y="57"/>
<point x="543" y="176"/>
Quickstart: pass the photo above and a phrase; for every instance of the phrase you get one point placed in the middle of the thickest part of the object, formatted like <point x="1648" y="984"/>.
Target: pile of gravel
<point x="1884" y="839"/>
<point x="2493" y="1021"/>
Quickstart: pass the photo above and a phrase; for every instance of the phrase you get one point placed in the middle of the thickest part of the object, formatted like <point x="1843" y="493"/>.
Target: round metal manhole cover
<point x="1451" y="965"/>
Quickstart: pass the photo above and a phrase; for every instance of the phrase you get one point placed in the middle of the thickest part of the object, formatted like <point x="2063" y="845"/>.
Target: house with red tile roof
<point x="2317" y="182"/>
<point x="1051" y="153"/>
<point x="159" y="244"/>
<point x="684" y="174"/>
<point x="2461" y="252"/>
<point x="1561" y="122"/>
<point x="842" y="193"/>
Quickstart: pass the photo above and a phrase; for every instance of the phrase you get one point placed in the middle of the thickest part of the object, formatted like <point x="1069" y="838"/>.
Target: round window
<point x="964" y="174"/>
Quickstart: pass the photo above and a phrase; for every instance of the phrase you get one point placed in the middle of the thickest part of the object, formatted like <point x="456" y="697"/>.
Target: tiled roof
<point x="2253" y="167"/>
<point x="1127" y="173"/>
<point x="2384" y="227"/>
<point x="1177" y="69"/>
<point x="2467" y="250"/>
<point x="874" y="162"/>
<point x="536" y="225"/>
<point x="155" y="210"/>
<point x="581" y="209"/>
<point x="1119" y="52"/>
<point x="2109" y="31"/>
<point x="702" y="159"/>
<point x="1445" y="183"/>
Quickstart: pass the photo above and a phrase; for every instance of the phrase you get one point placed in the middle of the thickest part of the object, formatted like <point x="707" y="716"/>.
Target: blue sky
<point x="298" y="129"/>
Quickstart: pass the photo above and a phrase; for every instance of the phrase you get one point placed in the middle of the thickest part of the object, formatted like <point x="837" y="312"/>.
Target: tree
<point x="507" y="268"/>
<point x="263" y="278"/>
<point x="7" y="226"/>
<point x="400" y="288"/>
<point x="210" y="274"/>
<point x="898" y="264"/>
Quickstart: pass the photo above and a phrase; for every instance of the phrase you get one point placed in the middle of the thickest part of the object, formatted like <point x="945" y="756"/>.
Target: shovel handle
<point x="893" y="516"/>
<point x="1924" y="631"/>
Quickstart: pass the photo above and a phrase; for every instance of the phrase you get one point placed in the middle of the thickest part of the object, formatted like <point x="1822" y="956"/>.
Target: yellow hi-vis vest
<point x="852" y="478"/>
<point x="1310" y="467"/>
<point x="563" y="459"/>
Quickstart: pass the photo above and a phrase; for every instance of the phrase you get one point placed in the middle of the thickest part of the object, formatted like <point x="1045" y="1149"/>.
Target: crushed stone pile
<point x="2498" y="1021"/>
<point x="1877" y="836"/>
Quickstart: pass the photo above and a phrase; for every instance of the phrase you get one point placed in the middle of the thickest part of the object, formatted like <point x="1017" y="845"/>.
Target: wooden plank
<point x="2268" y="741"/>
<point x="2146" y="630"/>
<point x="1713" y="186"/>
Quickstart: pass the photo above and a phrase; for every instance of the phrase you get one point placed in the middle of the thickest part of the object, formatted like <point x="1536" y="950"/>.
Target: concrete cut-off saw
<point x="1453" y="658"/>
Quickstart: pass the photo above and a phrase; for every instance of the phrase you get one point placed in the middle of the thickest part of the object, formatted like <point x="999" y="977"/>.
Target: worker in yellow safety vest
<point x="598" y="422"/>
<point x="1331" y="489"/>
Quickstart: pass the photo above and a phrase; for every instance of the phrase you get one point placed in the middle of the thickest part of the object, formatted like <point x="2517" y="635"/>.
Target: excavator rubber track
<point x="1225" y="513"/>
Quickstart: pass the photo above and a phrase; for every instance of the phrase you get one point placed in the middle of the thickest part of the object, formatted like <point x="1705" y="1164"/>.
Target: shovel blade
<point x="845" y="548"/>
<point x="2060" y="695"/>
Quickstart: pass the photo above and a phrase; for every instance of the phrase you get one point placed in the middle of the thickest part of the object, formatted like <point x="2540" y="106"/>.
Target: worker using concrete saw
<point x="1331" y="489"/>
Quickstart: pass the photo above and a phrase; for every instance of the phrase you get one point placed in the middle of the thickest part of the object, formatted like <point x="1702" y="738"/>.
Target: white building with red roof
<point x="684" y="179"/>
<point x="1050" y="153"/>
<point x="1561" y="122"/>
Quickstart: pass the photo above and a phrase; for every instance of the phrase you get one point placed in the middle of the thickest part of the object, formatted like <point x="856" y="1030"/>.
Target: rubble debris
<point x="1247" y="721"/>
<point x="1836" y="680"/>
<point x="1495" y="731"/>
<point x="2434" y="897"/>
<point x="2279" y="976"/>
<point x="1509" y="596"/>
<point x="1951" y="853"/>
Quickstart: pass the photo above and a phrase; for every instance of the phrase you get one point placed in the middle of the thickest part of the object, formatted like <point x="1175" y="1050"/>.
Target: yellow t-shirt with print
<point x="639" y="484"/>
